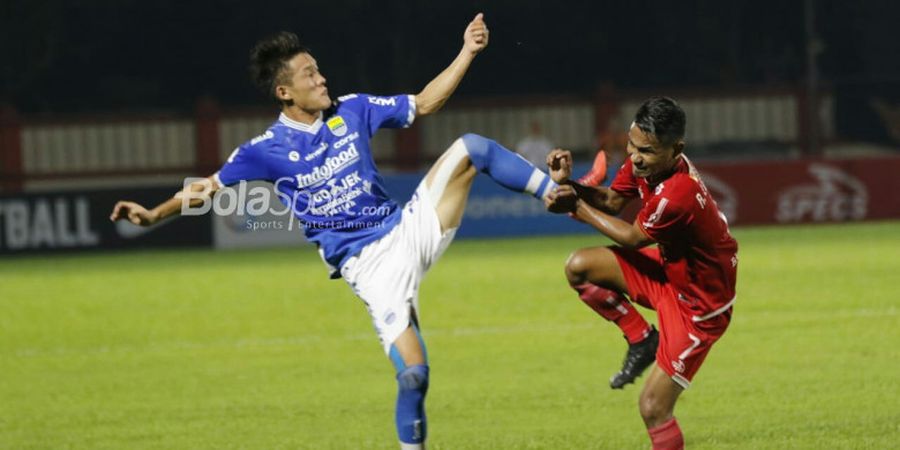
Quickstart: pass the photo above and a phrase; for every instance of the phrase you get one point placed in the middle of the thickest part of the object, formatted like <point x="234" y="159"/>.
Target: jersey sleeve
<point x="246" y="163"/>
<point x="625" y="183"/>
<point x="398" y="111"/>
<point x="663" y="218"/>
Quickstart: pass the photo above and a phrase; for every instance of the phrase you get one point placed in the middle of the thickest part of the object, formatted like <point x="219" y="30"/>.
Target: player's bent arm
<point x="559" y="164"/>
<point x="629" y="235"/>
<point x="436" y="92"/>
<point x="193" y="195"/>
<point x="602" y="198"/>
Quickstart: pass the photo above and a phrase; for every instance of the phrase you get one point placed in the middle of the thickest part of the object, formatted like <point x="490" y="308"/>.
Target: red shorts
<point x="683" y="343"/>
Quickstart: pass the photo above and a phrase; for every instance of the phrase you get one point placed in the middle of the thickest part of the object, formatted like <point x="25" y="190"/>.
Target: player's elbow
<point x="614" y="203"/>
<point x="205" y="187"/>
<point x="629" y="244"/>
<point x="634" y="239"/>
<point x="425" y="106"/>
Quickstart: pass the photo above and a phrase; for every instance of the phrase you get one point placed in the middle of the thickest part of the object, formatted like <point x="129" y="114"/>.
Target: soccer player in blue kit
<point x="317" y="156"/>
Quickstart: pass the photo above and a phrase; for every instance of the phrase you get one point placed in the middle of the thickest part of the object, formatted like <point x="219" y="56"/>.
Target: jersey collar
<point x="311" y="129"/>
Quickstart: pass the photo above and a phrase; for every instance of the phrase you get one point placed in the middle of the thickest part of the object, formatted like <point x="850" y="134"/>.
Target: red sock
<point x="615" y="308"/>
<point x="667" y="436"/>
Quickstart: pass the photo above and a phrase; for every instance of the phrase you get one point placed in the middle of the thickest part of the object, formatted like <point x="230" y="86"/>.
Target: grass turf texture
<point x="258" y="349"/>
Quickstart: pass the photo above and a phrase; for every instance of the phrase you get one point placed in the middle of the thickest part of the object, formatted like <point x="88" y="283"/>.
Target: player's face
<point x="648" y="157"/>
<point x="307" y="89"/>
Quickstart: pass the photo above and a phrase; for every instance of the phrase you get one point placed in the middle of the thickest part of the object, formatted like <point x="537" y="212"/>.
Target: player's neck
<point x="300" y="115"/>
<point x="662" y="176"/>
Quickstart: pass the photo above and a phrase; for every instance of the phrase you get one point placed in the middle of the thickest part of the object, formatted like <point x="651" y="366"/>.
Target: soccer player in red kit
<point x="688" y="277"/>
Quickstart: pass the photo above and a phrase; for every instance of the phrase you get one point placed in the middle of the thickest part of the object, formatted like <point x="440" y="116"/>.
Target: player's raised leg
<point x="447" y="186"/>
<point x="596" y="275"/>
<point x="449" y="180"/>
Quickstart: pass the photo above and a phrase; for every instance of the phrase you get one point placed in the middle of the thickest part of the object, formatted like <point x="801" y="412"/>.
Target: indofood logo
<point x="329" y="167"/>
<point x="836" y="196"/>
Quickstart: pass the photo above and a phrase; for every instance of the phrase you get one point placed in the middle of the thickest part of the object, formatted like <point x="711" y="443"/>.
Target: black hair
<point x="663" y="118"/>
<point x="269" y="60"/>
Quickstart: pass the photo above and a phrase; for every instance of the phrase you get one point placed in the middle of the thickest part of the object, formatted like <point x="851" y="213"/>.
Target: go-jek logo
<point x="331" y="166"/>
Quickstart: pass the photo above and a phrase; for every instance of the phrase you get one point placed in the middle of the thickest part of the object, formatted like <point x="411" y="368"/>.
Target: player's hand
<point x="134" y="213"/>
<point x="475" y="38"/>
<point x="562" y="199"/>
<point x="559" y="162"/>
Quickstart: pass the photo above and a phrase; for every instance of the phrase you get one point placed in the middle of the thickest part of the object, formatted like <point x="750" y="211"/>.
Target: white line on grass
<point x="300" y="340"/>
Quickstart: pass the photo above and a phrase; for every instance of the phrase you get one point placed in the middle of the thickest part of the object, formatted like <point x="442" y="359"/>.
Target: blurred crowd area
<point x="105" y="93"/>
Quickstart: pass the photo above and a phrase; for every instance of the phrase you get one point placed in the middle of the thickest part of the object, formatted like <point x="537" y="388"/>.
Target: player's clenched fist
<point x="476" y="35"/>
<point x="133" y="212"/>
<point x="562" y="199"/>
<point x="559" y="162"/>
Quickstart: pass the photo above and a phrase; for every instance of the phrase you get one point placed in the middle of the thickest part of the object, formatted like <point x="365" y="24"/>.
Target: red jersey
<point x="699" y="256"/>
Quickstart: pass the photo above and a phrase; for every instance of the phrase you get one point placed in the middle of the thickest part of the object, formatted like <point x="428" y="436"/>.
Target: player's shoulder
<point x="352" y="101"/>
<point x="350" y="105"/>
<point x="360" y="100"/>
<point x="680" y="189"/>
<point x="274" y="137"/>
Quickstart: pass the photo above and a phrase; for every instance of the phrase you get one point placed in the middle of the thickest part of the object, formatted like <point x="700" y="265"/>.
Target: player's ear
<point x="282" y="93"/>
<point x="678" y="147"/>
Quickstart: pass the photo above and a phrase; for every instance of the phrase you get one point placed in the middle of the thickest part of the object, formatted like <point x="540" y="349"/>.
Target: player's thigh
<point x="409" y="347"/>
<point x="449" y="181"/>
<point x="385" y="276"/>
<point x="597" y="265"/>
<point x="683" y="344"/>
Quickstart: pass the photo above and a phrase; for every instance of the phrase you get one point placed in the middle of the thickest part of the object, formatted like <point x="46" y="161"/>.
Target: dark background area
<point x="64" y="57"/>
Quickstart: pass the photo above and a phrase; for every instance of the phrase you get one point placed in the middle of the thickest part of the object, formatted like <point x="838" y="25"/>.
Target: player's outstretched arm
<point x="565" y="199"/>
<point x="436" y="92"/>
<point x="195" y="194"/>
<point x="559" y="163"/>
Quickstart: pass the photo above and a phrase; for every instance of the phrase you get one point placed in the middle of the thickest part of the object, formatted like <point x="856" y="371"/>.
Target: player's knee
<point x="577" y="266"/>
<point x="479" y="149"/>
<point x="413" y="380"/>
<point x="653" y="409"/>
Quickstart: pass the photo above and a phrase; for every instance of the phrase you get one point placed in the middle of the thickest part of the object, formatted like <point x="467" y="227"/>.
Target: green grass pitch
<point x="259" y="350"/>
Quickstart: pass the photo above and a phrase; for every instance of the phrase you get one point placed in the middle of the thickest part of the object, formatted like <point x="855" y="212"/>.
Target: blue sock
<point x="508" y="169"/>
<point x="410" y="418"/>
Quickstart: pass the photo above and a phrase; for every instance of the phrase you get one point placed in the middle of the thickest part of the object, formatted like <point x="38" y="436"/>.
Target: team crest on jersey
<point x="337" y="126"/>
<point x="294" y="156"/>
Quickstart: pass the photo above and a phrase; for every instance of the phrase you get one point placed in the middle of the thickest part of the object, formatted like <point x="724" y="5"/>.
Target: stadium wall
<point x="98" y="159"/>
<point x="51" y="153"/>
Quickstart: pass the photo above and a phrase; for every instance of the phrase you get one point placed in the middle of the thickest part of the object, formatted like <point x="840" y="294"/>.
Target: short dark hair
<point x="663" y="118"/>
<point x="269" y="60"/>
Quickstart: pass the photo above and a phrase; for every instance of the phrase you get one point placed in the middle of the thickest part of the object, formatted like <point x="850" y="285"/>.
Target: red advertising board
<point x="805" y="191"/>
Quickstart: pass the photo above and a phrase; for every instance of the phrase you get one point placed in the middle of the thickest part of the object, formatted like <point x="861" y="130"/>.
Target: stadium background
<point x="793" y="118"/>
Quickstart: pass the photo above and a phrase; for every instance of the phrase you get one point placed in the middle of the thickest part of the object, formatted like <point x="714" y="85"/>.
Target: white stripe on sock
<point x="534" y="182"/>
<point x="548" y="188"/>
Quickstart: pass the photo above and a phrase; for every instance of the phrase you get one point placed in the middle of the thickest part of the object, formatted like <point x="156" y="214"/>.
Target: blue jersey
<point x="326" y="173"/>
